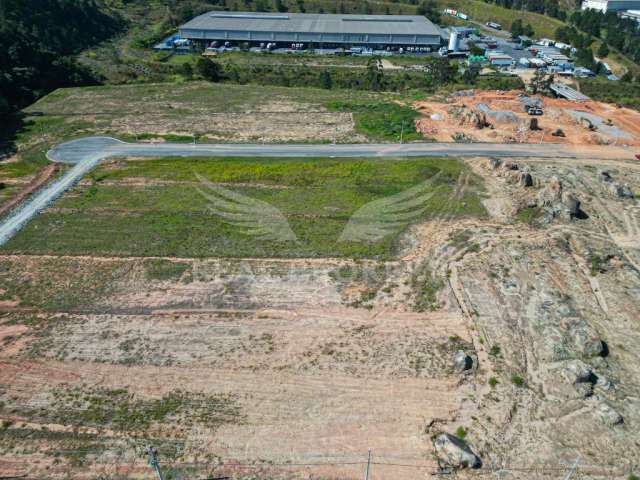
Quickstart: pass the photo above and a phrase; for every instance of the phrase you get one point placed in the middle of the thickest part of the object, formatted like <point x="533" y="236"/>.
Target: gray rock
<point x="576" y="371"/>
<point x="605" y="177"/>
<point x="571" y="204"/>
<point x="495" y="163"/>
<point x="455" y="452"/>
<point x="526" y="180"/>
<point x="589" y="346"/>
<point x="609" y="416"/>
<point x="603" y="382"/>
<point x="621" y="191"/>
<point x="580" y="376"/>
<point x="551" y="193"/>
<point x="462" y="361"/>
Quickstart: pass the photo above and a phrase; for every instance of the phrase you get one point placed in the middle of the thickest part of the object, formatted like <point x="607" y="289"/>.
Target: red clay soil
<point x="43" y="176"/>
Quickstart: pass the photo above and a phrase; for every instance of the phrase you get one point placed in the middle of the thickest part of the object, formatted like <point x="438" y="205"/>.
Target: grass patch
<point x="165" y="270"/>
<point x="621" y="93"/>
<point x="425" y="286"/>
<point x="529" y="215"/>
<point x="61" y="284"/>
<point x="316" y="196"/>
<point x="517" y="380"/>
<point x="122" y="411"/>
<point x="382" y="121"/>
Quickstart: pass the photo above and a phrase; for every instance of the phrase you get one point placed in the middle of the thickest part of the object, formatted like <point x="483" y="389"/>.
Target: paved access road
<point x="77" y="150"/>
<point x="86" y="153"/>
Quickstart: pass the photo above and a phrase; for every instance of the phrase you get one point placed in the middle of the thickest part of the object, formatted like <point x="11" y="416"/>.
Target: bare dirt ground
<point x="295" y="368"/>
<point x="463" y="114"/>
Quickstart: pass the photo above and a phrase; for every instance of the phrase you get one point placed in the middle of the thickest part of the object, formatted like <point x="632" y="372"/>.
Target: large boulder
<point x="463" y="362"/>
<point x="455" y="452"/>
<point x="580" y="376"/>
<point x="588" y="345"/>
<point x="571" y="204"/>
<point x="551" y="194"/>
<point x="609" y="416"/>
<point x="525" y="179"/>
<point x="622" y="191"/>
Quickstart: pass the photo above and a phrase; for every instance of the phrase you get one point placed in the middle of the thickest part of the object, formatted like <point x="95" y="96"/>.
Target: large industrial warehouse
<point x="330" y="30"/>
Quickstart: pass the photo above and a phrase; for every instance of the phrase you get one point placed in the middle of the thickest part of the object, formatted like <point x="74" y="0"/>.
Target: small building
<point x="499" y="59"/>
<point x="611" y="5"/>
<point x="631" y="14"/>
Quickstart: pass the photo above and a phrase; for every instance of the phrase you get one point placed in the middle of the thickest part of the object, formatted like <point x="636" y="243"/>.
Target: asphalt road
<point x="77" y="150"/>
<point x="86" y="153"/>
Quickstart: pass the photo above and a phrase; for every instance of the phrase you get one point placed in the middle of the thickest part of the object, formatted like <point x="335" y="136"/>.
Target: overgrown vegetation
<point x="383" y="121"/>
<point x="37" y="44"/>
<point x="621" y="93"/>
<point x="163" y="270"/>
<point x="316" y="196"/>
<point x="529" y="215"/>
<point x="120" y="410"/>
<point x="517" y="380"/>
<point x="425" y="285"/>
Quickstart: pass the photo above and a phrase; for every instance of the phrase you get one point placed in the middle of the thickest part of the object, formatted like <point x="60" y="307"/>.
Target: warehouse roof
<point x="314" y="23"/>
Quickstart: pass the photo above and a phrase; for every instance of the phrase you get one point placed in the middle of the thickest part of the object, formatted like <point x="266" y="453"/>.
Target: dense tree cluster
<point x="545" y="7"/>
<point x="622" y="34"/>
<point x="37" y="40"/>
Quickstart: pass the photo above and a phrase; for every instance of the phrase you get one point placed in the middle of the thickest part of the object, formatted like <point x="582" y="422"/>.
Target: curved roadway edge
<point x="86" y="153"/>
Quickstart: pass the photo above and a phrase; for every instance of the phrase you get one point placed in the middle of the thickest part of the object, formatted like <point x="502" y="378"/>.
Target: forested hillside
<point x="37" y="43"/>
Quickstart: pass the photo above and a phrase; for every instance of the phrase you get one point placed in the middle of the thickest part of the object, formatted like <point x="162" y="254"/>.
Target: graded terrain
<point x="142" y="308"/>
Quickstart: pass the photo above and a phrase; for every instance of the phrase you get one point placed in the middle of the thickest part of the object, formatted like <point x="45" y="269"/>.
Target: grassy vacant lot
<point x="174" y="112"/>
<point x="152" y="207"/>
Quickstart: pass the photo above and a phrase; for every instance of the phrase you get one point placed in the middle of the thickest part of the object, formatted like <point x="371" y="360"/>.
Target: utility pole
<point x="573" y="468"/>
<point x="366" y="472"/>
<point x="153" y="461"/>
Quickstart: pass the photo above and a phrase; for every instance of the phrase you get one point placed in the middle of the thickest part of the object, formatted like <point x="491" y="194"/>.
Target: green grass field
<point x="316" y="196"/>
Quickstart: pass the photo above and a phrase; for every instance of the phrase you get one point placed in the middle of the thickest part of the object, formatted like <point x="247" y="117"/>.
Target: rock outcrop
<point x="455" y="452"/>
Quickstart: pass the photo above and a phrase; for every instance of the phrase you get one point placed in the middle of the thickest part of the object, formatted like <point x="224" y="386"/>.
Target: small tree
<point x="280" y="7"/>
<point x="470" y="75"/>
<point x="375" y="77"/>
<point x="208" y="69"/>
<point x="517" y="29"/>
<point x="186" y="70"/>
<point x="603" y="50"/>
<point x="540" y="81"/>
<point x="325" y="79"/>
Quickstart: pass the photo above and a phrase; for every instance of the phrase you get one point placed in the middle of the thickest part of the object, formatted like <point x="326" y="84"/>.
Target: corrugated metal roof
<point x="314" y="23"/>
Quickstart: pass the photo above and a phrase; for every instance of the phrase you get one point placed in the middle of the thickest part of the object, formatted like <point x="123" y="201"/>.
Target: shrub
<point x="493" y="382"/>
<point x="517" y="380"/>
<point x="495" y="350"/>
<point x="461" y="433"/>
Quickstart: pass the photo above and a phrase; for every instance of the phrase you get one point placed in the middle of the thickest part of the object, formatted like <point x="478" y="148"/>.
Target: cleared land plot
<point x="154" y="207"/>
<point x="213" y="359"/>
<point x="175" y="112"/>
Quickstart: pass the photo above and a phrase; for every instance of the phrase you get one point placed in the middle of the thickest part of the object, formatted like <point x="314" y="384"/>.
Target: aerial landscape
<point x="319" y="239"/>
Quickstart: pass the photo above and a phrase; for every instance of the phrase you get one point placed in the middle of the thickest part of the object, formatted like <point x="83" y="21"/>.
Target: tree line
<point x="437" y="73"/>
<point x="37" y="43"/>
